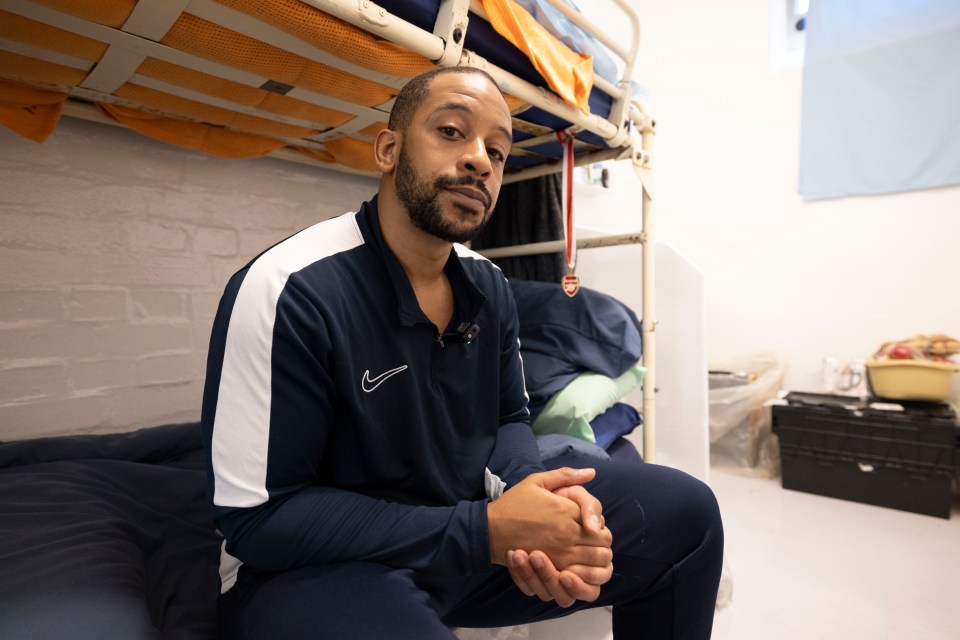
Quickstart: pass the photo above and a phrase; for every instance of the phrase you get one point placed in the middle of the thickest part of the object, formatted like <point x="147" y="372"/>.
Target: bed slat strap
<point x="152" y="19"/>
<point x="114" y="69"/>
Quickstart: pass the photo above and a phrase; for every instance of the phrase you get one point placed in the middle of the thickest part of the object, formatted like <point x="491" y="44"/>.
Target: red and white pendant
<point x="571" y="284"/>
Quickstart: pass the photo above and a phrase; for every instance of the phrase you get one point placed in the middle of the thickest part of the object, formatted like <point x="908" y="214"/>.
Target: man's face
<point x="422" y="201"/>
<point x="450" y="165"/>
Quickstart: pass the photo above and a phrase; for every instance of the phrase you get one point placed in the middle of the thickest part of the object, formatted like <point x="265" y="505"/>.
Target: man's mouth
<point x="471" y="197"/>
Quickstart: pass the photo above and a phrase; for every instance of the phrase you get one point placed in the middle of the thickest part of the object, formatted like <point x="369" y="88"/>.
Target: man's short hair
<point x="417" y="90"/>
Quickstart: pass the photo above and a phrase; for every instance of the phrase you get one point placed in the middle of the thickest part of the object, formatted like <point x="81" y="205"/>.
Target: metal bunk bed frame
<point x="628" y="130"/>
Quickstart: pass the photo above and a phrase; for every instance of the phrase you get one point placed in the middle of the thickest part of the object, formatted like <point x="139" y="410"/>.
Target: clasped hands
<point x="549" y="533"/>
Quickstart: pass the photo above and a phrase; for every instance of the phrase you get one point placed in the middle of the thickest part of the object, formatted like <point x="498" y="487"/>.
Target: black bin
<point x="850" y="448"/>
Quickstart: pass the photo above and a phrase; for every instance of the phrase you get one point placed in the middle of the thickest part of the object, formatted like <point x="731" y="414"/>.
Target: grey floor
<point x="809" y="567"/>
<point x="805" y="567"/>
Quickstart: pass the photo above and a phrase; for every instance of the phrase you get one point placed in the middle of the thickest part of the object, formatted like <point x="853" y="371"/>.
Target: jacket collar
<point x="468" y="297"/>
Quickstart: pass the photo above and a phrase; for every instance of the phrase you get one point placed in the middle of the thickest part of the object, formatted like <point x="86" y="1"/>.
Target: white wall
<point x="802" y="280"/>
<point x="114" y="250"/>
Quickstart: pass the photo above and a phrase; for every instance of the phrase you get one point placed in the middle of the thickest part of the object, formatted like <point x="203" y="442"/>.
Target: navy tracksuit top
<point x="341" y="426"/>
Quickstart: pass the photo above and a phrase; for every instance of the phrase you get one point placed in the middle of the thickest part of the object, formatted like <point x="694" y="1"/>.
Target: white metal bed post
<point x="642" y="166"/>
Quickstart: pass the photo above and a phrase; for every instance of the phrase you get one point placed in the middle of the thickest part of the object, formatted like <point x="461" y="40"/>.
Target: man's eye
<point x="496" y="154"/>
<point x="450" y="132"/>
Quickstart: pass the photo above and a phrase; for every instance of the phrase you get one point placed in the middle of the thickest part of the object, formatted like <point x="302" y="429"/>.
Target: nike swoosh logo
<point x="369" y="384"/>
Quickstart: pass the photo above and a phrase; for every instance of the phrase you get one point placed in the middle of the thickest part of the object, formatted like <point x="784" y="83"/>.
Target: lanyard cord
<point x="566" y="140"/>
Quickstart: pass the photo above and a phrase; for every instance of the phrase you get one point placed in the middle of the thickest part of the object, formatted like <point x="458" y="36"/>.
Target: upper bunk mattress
<point x="243" y="78"/>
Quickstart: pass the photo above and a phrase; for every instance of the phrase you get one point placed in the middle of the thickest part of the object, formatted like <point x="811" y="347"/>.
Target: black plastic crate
<point x="842" y="447"/>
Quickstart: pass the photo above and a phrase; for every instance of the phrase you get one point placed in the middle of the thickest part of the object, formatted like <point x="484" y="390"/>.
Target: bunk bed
<point x="309" y="81"/>
<point x="313" y="80"/>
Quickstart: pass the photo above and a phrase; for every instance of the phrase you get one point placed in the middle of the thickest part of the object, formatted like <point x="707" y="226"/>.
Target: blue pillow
<point x="558" y="445"/>
<point x="618" y="420"/>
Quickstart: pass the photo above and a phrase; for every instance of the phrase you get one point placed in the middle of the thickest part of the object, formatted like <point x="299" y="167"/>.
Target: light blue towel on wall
<point x="881" y="97"/>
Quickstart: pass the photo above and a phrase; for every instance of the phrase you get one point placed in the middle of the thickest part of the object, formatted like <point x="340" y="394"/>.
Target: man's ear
<point x="386" y="149"/>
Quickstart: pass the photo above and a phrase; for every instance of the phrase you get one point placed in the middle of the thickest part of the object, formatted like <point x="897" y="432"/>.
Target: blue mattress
<point x="483" y="39"/>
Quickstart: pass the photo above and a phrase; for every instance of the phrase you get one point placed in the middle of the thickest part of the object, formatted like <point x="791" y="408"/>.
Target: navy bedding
<point x="107" y="536"/>
<point x="561" y="337"/>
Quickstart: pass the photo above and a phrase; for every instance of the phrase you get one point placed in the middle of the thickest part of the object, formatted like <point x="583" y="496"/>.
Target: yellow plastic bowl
<point x="911" y="379"/>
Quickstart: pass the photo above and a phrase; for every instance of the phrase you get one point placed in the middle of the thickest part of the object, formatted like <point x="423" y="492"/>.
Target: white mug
<point x="844" y="376"/>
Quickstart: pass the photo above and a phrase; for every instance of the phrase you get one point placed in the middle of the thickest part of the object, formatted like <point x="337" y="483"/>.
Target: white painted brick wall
<point x="114" y="250"/>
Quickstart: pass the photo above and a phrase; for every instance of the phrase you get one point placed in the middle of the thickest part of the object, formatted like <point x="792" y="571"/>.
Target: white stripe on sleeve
<point x="241" y="430"/>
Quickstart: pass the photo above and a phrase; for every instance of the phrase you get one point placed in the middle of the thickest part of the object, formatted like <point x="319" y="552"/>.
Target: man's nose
<point x="475" y="159"/>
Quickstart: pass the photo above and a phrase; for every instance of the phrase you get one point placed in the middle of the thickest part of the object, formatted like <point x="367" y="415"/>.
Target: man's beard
<point x="423" y="206"/>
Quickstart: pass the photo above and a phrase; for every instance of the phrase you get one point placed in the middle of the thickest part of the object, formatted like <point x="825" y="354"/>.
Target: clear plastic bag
<point x="741" y="434"/>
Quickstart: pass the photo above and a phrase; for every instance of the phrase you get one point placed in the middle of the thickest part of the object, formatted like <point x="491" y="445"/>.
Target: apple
<point x="901" y="351"/>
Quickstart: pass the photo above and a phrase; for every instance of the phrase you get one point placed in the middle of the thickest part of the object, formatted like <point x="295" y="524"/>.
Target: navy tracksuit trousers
<point x="668" y="552"/>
